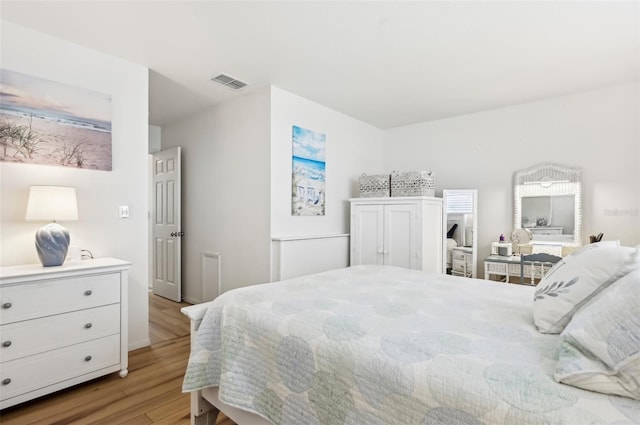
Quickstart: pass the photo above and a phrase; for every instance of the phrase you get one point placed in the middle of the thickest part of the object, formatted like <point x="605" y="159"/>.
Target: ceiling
<point x="387" y="63"/>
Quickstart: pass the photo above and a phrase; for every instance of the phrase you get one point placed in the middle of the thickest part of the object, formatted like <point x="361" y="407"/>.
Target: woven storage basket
<point x="376" y="186"/>
<point x="413" y="183"/>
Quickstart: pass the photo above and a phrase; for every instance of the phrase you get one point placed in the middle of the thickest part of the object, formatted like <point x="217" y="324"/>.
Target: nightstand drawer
<point x="459" y="255"/>
<point x="22" y="339"/>
<point x="459" y="265"/>
<point x="38" y="299"/>
<point x="39" y="371"/>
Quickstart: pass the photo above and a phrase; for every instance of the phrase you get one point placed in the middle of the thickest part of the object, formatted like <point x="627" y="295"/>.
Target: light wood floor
<point x="150" y="394"/>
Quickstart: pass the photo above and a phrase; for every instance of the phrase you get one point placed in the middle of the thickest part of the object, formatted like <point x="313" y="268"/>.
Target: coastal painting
<point x="308" y="176"/>
<point x="45" y="122"/>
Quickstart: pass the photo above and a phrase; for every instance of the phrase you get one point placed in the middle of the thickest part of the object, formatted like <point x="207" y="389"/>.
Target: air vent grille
<point x="230" y="82"/>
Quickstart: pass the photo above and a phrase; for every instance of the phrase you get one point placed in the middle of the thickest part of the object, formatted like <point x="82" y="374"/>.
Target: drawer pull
<point x="87" y="359"/>
<point x="6" y="344"/>
<point x="88" y="292"/>
<point x="6" y="305"/>
<point x="6" y="381"/>
<point x="88" y="326"/>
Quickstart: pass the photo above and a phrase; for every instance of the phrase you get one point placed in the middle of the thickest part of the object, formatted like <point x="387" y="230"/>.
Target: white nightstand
<point x="61" y="326"/>
<point x="461" y="261"/>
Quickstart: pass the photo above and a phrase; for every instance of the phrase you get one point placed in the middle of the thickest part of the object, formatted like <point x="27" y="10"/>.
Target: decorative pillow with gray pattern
<point x="600" y="347"/>
<point x="576" y="279"/>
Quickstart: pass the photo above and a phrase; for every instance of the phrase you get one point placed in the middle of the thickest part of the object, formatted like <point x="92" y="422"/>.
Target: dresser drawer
<point x="49" y="333"/>
<point x="39" y="371"/>
<point x="44" y="298"/>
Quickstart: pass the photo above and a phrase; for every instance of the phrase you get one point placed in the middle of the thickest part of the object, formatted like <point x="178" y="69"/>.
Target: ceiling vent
<point x="230" y="82"/>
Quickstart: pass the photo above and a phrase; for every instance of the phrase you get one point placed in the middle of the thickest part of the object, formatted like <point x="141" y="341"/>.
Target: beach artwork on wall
<point x="45" y="122"/>
<point x="308" y="176"/>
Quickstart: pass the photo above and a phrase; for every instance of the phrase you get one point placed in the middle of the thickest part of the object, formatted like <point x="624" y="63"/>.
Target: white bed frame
<point x="205" y="404"/>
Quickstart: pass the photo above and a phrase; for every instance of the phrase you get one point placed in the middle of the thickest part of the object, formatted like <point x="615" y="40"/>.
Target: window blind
<point x="459" y="203"/>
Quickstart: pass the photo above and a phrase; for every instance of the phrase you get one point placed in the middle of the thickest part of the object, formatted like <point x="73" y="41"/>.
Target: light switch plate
<point x="124" y="211"/>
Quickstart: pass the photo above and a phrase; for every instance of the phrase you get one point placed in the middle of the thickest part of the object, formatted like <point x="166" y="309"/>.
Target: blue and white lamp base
<point x="52" y="243"/>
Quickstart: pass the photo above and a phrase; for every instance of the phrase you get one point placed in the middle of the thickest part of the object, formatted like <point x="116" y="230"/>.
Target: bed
<point x="381" y="345"/>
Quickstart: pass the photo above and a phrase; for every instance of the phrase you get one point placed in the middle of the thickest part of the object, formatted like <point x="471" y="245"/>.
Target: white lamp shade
<point x="47" y="203"/>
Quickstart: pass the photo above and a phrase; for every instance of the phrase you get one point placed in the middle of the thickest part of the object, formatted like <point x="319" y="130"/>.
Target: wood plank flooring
<point x="150" y="394"/>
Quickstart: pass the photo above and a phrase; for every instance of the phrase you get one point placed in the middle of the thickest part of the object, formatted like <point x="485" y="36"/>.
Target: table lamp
<point x="52" y="203"/>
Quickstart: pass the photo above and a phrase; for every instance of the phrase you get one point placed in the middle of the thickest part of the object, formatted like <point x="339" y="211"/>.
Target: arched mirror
<point x="548" y="205"/>
<point x="461" y="236"/>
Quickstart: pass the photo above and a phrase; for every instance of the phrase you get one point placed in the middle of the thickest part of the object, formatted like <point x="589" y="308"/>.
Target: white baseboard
<point x="191" y="300"/>
<point x="139" y="344"/>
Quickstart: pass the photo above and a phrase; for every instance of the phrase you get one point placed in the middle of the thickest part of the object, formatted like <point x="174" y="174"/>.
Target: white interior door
<point x="167" y="228"/>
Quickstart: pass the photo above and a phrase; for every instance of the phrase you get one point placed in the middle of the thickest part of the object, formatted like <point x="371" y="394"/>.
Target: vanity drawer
<point x="30" y="337"/>
<point x="41" y="370"/>
<point x="45" y="298"/>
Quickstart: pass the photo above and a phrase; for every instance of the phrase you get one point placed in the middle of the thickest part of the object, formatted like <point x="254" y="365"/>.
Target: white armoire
<point x="404" y="232"/>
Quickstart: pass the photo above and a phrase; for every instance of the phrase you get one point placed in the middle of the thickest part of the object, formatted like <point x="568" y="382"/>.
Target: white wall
<point x="225" y="191"/>
<point x="236" y="183"/>
<point x="155" y="139"/>
<point x="99" y="192"/>
<point x="597" y="130"/>
<point x="353" y="148"/>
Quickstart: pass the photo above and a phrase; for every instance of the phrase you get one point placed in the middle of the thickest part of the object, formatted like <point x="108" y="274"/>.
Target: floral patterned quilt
<point x="377" y="345"/>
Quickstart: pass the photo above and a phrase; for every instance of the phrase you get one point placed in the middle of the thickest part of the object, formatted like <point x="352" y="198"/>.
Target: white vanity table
<point x="61" y="326"/>
<point x="498" y="267"/>
<point x="507" y="269"/>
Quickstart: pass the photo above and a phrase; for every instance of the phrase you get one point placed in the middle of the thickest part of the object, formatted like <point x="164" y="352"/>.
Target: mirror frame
<point x="474" y="230"/>
<point x="549" y="180"/>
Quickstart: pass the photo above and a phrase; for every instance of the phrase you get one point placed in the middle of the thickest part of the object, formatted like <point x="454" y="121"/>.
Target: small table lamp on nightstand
<point x="52" y="203"/>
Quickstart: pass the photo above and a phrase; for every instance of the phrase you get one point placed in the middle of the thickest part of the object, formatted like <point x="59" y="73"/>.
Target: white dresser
<point x="60" y="326"/>
<point x="544" y="230"/>
<point x="403" y="232"/>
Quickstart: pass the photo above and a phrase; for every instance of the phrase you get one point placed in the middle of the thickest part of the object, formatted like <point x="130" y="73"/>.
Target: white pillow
<point x="577" y="278"/>
<point x="602" y="244"/>
<point x="600" y="347"/>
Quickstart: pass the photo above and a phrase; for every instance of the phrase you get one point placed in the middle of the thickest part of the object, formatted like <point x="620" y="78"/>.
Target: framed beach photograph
<point x="46" y="122"/>
<point x="308" y="175"/>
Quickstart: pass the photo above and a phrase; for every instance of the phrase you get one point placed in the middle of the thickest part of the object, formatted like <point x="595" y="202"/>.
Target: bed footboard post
<point x="202" y="412"/>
